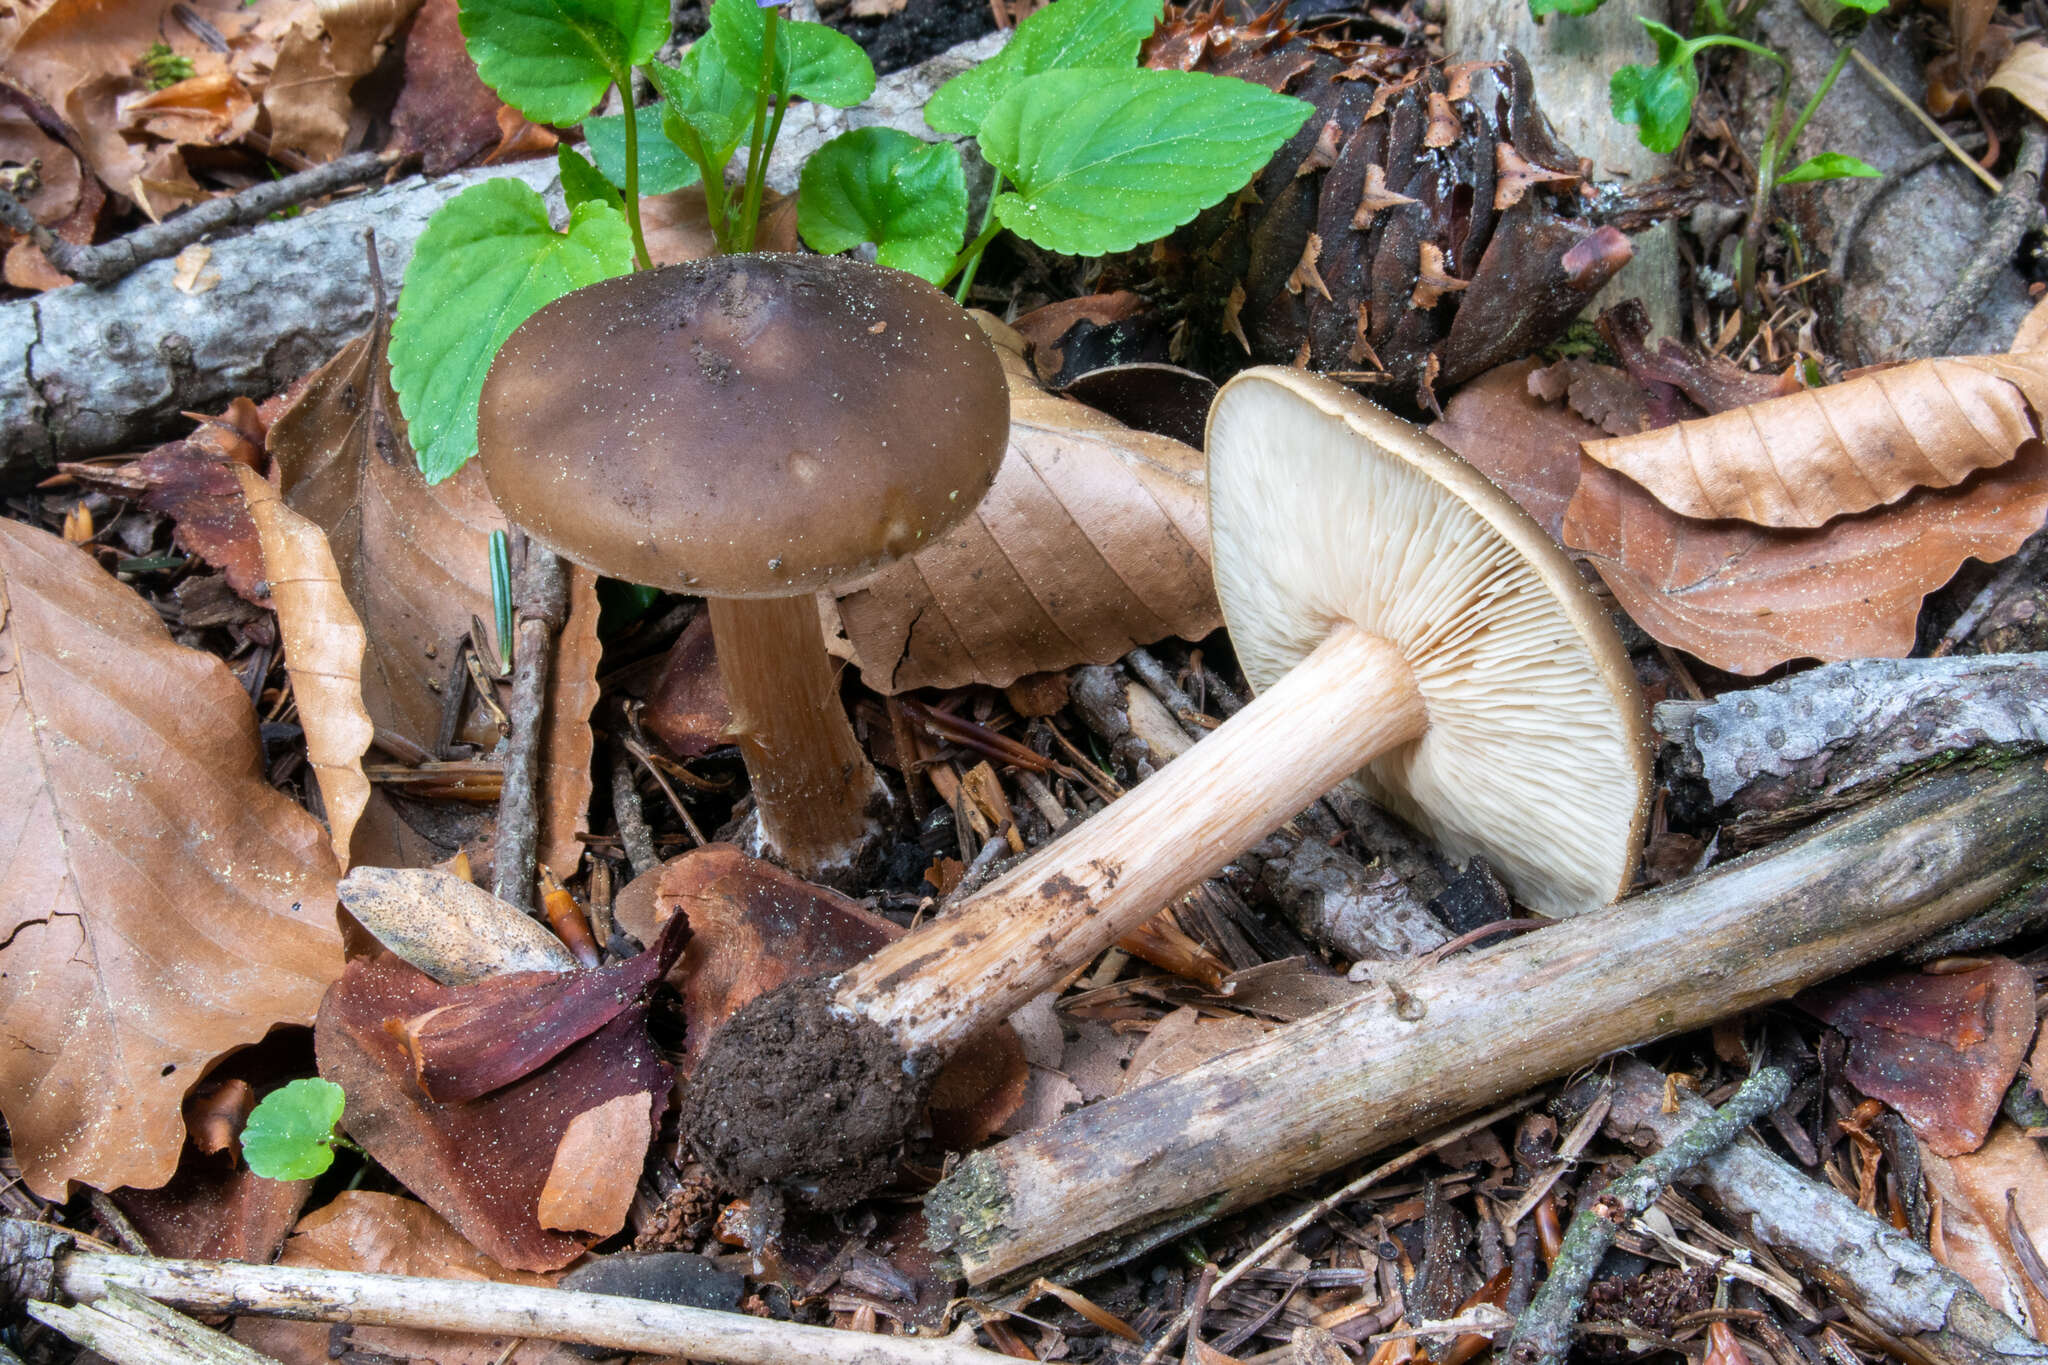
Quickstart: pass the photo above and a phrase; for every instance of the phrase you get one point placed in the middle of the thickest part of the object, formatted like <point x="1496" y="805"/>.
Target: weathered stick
<point x="1834" y="734"/>
<point x="541" y="599"/>
<point x="1544" y="1333"/>
<point x="109" y="261"/>
<point x="128" y="1329"/>
<point x="1891" y="1278"/>
<point x="1440" y="1041"/>
<point x="2016" y="209"/>
<point x="309" y="1294"/>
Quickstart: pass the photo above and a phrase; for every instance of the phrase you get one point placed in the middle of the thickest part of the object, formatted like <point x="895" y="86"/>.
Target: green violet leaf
<point x="1829" y="166"/>
<point x="812" y="62"/>
<point x="290" y="1135"/>
<point x="704" y="98"/>
<point x="1540" y="9"/>
<point x="880" y="185"/>
<point x="1103" y="160"/>
<point x="663" y="165"/>
<point x="1062" y="36"/>
<point x="582" y="183"/>
<point x="552" y="60"/>
<point x="488" y="260"/>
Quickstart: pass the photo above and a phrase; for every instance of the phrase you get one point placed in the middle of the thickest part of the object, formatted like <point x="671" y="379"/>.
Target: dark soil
<point x="789" y="1094"/>
<point x="922" y="29"/>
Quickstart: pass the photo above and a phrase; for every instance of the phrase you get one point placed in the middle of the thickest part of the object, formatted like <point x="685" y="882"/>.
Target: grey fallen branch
<point x="1544" y="1334"/>
<point x="109" y="261"/>
<point x="541" y="602"/>
<point x="41" y="1265"/>
<point x="127" y="1329"/>
<point x="1879" y="1272"/>
<point x="1433" y="1042"/>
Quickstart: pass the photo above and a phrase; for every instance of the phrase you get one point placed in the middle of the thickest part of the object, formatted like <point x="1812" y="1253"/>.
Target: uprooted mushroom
<point x="1405" y="622"/>
<point x="753" y="429"/>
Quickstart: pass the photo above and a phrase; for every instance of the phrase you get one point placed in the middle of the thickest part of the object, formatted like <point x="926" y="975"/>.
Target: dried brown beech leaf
<point x="589" y="1189"/>
<point x="387" y="1234"/>
<point x="1094" y="539"/>
<point x="1527" y="446"/>
<point x="163" y="903"/>
<point x="323" y="653"/>
<point x="687" y="708"/>
<point x="318" y="64"/>
<point x="1809" y="457"/>
<point x="415" y="562"/>
<point x="1940" y="1049"/>
<point x="1981" y="1230"/>
<point x="1186" y="1038"/>
<point x="481" y="1165"/>
<point x="1747" y="598"/>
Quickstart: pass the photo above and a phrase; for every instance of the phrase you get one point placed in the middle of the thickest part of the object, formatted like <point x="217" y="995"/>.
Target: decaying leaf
<point x="164" y="904"/>
<point x="383" y="1233"/>
<point x="1802" y="460"/>
<point x="589" y="1189"/>
<point x="415" y="562"/>
<point x="323" y="651"/>
<point x="754" y="926"/>
<point x="481" y="1165"/>
<point x="1978" y="1224"/>
<point x="1094" y="539"/>
<point x="455" y="932"/>
<point x="1940" y="1049"/>
<point x="318" y="63"/>
<point x="1747" y="598"/>
<point x="444" y="110"/>
<point x="687" y="708"/>
<point x="1527" y="446"/>
<point x="2024" y="75"/>
<point x="1187" y="1038"/>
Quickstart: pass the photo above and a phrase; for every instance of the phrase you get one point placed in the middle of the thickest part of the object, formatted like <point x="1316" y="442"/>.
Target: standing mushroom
<point x="1405" y="621"/>
<point x="753" y="429"/>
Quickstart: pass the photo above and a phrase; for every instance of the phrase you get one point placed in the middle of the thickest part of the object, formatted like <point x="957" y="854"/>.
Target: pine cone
<point x="1412" y="235"/>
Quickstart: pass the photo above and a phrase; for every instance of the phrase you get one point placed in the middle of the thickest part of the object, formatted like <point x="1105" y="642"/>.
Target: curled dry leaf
<point x="1093" y="539"/>
<point x="1746" y="598"/>
<point x="1978" y="1225"/>
<point x="163" y="903"/>
<point x="415" y="562"/>
<point x="383" y="1233"/>
<point x="323" y="653"/>
<point x="318" y="63"/>
<point x="1802" y="460"/>
<point x="1939" y="1048"/>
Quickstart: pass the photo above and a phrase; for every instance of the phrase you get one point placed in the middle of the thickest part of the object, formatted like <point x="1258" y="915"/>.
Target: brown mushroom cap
<point x="743" y="426"/>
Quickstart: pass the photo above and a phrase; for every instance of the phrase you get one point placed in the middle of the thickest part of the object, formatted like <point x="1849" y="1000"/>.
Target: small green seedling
<point x="1093" y="154"/>
<point x="291" y="1133"/>
<point x="164" y="68"/>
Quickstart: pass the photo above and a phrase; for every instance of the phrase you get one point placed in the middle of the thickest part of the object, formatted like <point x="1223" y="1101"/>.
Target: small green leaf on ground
<point x="552" y="60"/>
<point x="1659" y="99"/>
<point x="1104" y="160"/>
<point x="906" y="195"/>
<point x="290" y="1135"/>
<point x="813" y="62"/>
<point x="1062" y="36"/>
<point x="488" y="261"/>
<point x="1830" y="166"/>
<point x="663" y="165"/>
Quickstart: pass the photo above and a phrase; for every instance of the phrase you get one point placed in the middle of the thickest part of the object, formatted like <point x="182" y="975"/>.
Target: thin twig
<point x="1912" y="106"/>
<point x="2016" y="209"/>
<point x="1259" y="1254"/>
<point x="109" y="261"/>
<point x="634" y="835"/>
<point x="1544" y="1333"/>
<point x="541" y="603"/>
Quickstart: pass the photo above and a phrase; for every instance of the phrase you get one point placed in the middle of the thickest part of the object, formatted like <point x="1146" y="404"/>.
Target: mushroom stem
<point x="1349" y="701"/>
<point x="845" y="1062"/>
<point x="815" y="793"/>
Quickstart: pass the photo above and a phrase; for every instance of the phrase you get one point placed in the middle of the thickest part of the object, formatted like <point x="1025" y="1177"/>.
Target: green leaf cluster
<point x="290" y="1134"/>
<point x="1092" y="152"/>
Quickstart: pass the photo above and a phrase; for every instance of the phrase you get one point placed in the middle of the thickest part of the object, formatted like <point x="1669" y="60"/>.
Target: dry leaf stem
<point x="1544" y="1334"/>
<point x="111" y="260"/>
<point x="540" y="605"/>
<point x="2016" y="209"/>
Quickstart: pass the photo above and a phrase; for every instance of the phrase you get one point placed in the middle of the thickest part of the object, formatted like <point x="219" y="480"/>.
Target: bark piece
<point x="1442" y="1040"/>
<point x="163" y="903"/>
<point x="1826" y="736"/>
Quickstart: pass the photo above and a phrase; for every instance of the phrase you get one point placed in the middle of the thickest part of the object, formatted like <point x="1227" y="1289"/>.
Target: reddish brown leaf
<point x="386" y="1234"/>
<point x="687" y="710"/>
<point x="481" y="1165"/>
<point x="1044" y="327"/>
<point x="199" y="491"/>
<point x="503" y="1028"/>
<point x="445" y="113"/>
<point x="1527" y="446"/>
<point x="163" y="903"/>
<point x="1747" y="598"/>
<point x="1940" y="1049"/>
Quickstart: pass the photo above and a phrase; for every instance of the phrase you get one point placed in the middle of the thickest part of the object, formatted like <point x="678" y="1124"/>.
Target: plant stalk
<point x="757" y="144"/>
<point x="969" y="260"/>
